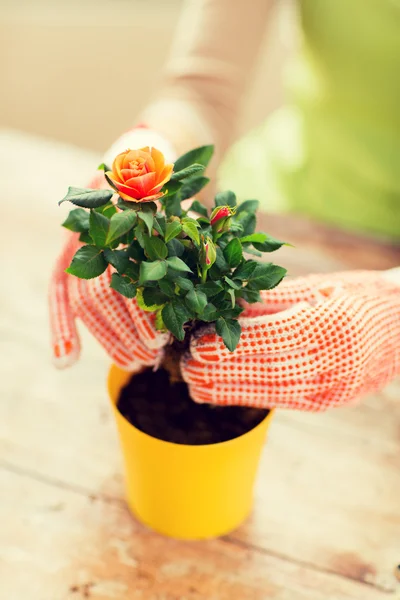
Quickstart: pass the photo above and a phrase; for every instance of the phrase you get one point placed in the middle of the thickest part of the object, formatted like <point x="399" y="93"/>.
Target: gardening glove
<point x="126" y="332"/>
<point x="315" y="342"/>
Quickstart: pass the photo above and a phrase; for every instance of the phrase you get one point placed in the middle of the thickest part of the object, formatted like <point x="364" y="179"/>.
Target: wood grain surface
<point x="326" y="521"/>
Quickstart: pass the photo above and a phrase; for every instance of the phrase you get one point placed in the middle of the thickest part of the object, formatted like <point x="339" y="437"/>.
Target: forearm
<point x="216" y="46"/>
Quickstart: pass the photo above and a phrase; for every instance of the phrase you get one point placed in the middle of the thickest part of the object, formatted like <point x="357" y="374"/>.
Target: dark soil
<point x="166" y="411"/>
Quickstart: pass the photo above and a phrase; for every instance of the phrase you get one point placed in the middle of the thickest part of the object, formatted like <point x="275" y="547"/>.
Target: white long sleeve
<point x="216" y="46"/>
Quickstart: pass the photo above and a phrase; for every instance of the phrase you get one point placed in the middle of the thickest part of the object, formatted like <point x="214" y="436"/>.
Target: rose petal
<point x="142" y="184"/>
<point x="126" y="191"/>
<point x="137" y="200"/>
<point x="131" y="174"/>
<point x="158" y="158"/>
<point x="149" y="165"/>
<point x="130" y="156"/>
<point x="117" y="165"/>
<point x="165" y="175"/>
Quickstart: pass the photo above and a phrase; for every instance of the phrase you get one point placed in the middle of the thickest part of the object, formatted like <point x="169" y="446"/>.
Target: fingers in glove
<point x="145" y="326"/>
<point x="64" y="336"/>
<point x="264" y="382"/>
<point x="266" y="334"/>
<point x="317" y="288"/>
<point x="84" y="309"/>
<point x="115" y="313"/>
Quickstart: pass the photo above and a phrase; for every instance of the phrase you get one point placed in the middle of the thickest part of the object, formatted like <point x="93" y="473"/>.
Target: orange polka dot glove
<point x="315" y="342"/>
<point x="125" y="331"/>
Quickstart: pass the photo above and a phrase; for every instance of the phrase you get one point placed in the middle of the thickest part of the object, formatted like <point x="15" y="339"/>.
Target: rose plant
<point x="187" y="266"/>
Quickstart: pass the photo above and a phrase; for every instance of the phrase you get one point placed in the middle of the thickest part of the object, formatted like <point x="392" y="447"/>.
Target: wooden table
<point x="326" y="522"/>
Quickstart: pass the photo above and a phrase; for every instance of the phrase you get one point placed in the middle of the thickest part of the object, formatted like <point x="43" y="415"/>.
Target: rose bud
<point x="220" y="218"/>
<point x="139" y="175"/>
<point x="208" y="252"/>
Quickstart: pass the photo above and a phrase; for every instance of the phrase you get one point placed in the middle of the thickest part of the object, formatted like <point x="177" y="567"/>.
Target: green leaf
<point x="120" y="223"/>
<point x="201" y="155"/>
<point x="142" y="304"/>
<point x="172" y="230"/>
<point x="221" y="262"/>
<point x="248" y="250"/>
<point x="152" y="271"/>
<point x="230" y="331"/>
<point x="248" y="206"/>
<point x="236" y="228"/>
<point x="88" y="262"/>
<point x="232" y="312"/>
<point x="123" y="285"/>
<point x="87" y="198"/>
<point x="148" y="218"/>
<point x="154" y="297"/>
<point x="233" y="253"/>
<point x="99" y="226"/>
<point x="187" y="172"/>
<point x="191" y="229"/>
<point x="136" y="252"/>
<point x="103" y="167"/>
<point x="263" y="242"/>
<point x="192" y="221"/>
<point x="155" y="248"/>
<point x="248" y="222"/>
<point x="126" y="205"/>
<point x="251" y="296"/>
<point x="77" y="220"/>
<point x="148" y="207"/>
<point x="139" y="233"/>
<point x="132" y="270"/>
<point x="173" y="206"/>
<point x="210" y="313"/>
<point x="108" y="210"/>
<point x="227" y="198"/>
<point x="176" y="263"/>
<point x="183" y="283"/>
<point x="159" y="323"/>
<point x="158" y="228"/>
<point x="167" y="287"/>
<point x="175" y="315"/>
<point x="192" y="186"/>
<point x="197" y="207"/>
<point x="245" y="270"/>
<point x="204" y="223"/>
<point x="175" y="248"/>
<point x="254" y="237"/>
<point x="171" y="188"/>
<point x="160" y="224"/>
<point x="210" y="288"/>
<point x="117" y="258"/>
<point x="196" y="301"/>
<point x="85" y="238"/>
<point x="236" y="285"/>
<point x="231" y="292"/>
<point x="266" y="276"/>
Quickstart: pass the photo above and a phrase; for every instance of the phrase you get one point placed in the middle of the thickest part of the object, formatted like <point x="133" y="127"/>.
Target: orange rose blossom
<point x="139" y="175"/>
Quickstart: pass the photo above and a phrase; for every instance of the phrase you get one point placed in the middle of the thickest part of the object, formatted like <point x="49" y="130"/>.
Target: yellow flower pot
<point x="187" y="492"/>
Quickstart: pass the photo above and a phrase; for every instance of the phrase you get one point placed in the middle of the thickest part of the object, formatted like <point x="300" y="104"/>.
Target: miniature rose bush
<point x="187" y="270"/>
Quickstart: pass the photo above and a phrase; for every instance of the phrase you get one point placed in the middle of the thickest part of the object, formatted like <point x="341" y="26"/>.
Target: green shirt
<point x="333" y="151"/>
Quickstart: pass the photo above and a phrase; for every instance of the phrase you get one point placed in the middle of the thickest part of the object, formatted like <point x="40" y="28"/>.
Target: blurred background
<point x="65" y="65"/>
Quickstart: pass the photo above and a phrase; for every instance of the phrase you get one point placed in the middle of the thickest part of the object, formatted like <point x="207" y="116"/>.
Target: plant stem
<point x="204" y="275"/>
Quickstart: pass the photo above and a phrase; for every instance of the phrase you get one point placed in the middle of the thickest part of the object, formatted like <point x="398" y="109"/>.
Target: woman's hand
<point x="316" y="342"/>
